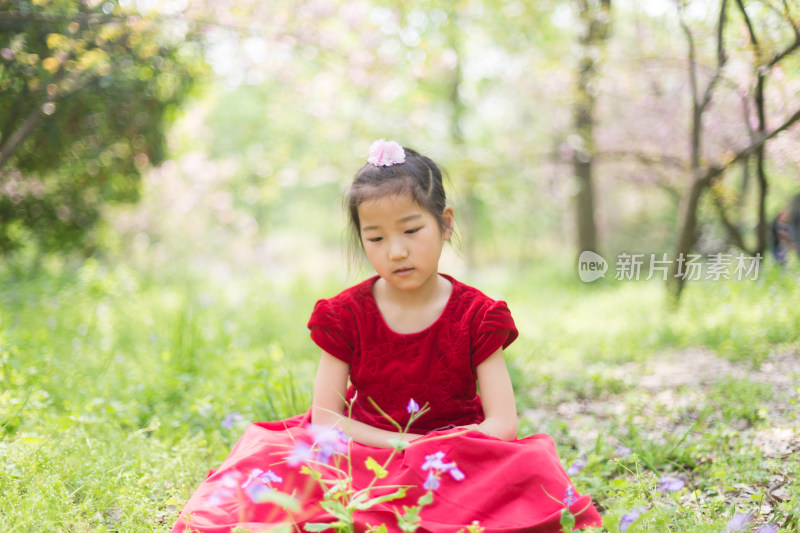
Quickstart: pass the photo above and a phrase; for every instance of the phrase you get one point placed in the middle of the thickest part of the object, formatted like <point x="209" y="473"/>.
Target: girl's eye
<point x="374" y="239"/>
<point x="409" y="231"/>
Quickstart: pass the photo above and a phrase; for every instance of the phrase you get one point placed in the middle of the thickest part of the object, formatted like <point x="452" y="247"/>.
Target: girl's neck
<point x="412" y="311"/>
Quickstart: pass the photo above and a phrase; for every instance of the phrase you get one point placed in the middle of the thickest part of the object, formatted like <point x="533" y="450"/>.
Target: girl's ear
<point x="448" y="216"/>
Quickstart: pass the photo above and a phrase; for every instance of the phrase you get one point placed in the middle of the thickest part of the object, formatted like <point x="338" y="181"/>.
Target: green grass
<point x="114" y="383"/>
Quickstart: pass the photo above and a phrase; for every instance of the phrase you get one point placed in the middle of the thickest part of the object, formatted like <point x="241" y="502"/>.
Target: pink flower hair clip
<point x="383" y="153"/>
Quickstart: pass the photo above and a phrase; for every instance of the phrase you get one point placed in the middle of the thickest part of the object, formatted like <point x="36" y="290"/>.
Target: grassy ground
<point x="114" y="384"/>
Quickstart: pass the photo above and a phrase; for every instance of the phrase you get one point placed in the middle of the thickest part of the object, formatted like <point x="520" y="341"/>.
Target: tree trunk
<point x="687" y="235"/>
<point x="596" y="20"/>
<point x="761" y="175"/>
<point x="687" y="232"/>
<point x="582" y="165"/>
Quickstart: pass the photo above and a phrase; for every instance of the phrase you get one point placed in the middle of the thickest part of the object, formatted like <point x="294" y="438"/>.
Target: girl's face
<point x="402" y="240"/>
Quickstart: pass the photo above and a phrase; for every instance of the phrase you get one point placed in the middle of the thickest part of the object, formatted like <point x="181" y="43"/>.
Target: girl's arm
<point x="497" y="396"/>
<point x="330" y="387"/>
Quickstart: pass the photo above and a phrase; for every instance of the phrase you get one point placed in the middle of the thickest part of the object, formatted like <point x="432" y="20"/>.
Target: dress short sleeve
<point x="328" y="332"/>
<point x="495" y="330"/>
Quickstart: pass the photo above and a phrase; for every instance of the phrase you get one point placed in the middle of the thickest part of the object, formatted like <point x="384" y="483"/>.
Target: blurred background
<point x="171" y="184"/>
<point x="220" y="134"/>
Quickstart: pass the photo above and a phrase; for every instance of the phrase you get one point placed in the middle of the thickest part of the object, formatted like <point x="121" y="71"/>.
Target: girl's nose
<point x="397" y="251"/>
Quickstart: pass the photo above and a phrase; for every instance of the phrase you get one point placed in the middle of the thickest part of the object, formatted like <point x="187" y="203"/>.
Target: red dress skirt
<point x="505" y="486"/>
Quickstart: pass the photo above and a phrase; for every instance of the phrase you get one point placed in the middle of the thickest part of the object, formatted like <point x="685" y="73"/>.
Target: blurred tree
<point x="705" y="174"/>
<point x="765" y="63"/>
<point x="595" y="17"/>
<point x="488" y="88"/>
<point x="471" y="208"/>
<point x="86" y="89"/>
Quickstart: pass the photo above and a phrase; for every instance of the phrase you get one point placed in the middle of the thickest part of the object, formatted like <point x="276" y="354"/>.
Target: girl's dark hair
<point x="418" y="176"/>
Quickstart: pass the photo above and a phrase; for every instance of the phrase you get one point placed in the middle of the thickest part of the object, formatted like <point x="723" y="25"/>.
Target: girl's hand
<point x="470" y="427"/>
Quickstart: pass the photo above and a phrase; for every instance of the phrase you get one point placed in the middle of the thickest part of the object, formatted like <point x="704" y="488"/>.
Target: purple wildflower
<point x="623" y="451"/>
<point x="456" y="473"/>
<point x="300" y="454"/>
<point x="670" y="484"/>
<point x="259" y="483"/>
<point x="231" y="419"/>
<point x="435" y="466"/>
<point x="227" y="488"/>
<point x="257" y="492"/>
<point x="271" y="476"/>
<point x="433" y="461"/>
<point x="254" y="486"/>
<point x="569" y="496"/>
<point x="432" y="481"/>
<point x="329" y="440"/>
<point x="577" y="465"/>
<point x="738" y="522"/>
<point x="323" y="433"/>
<point x="7" y="53"/>
<point x="629" y="518"/>
<point x="768" y="528"/>
<point x="413" y="407"/>
<point x="259" y="475"/>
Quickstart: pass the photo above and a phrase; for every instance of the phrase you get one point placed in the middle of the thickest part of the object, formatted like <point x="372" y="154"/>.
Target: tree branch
<point x="790" y="19"/>
<point x="746" y="115"/>
<point x="788" y="50"/>
<point x="715" y="171"/>
<point x="783" y="53"/>
<point x="734" y="232"/>
<point x="645" y="158"/>
<point x="692" y="55"/>
<point x="722" y="58"/>
<point x="749" y="25"/>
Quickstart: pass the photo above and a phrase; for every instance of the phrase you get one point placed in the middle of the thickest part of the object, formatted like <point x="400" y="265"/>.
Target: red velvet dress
<point x="506" y="486"/>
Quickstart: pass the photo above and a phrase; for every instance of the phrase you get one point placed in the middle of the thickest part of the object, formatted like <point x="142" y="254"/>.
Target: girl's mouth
<point x="404" y="271"/>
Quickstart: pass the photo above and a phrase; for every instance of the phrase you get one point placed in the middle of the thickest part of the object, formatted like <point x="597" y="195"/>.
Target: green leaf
<point x="338" y="510"/>
<point x="567" y="520"/>
<point x="619" y="483"/>
<point x="425" y="499"/>
<point x="398" y="444"/>
<point x="407" y="522"/>
<point x="317" y="526"/>
<point x="313" y="473"/>
<point x="340" y="487"/>
<point x="373" y="465"/>
<point x="399" y="493"/>
<point x="358" y="498"/>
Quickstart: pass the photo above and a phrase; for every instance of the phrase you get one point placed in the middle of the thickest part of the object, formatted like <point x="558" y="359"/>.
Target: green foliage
<point x="87" y="90"/>
<point x="114" y="384"/>
<point x="602" y="366"/>
<point x="108" y="367"/>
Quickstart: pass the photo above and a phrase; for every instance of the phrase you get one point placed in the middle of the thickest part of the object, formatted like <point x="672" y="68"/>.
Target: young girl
<point x="415" y="346"/>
